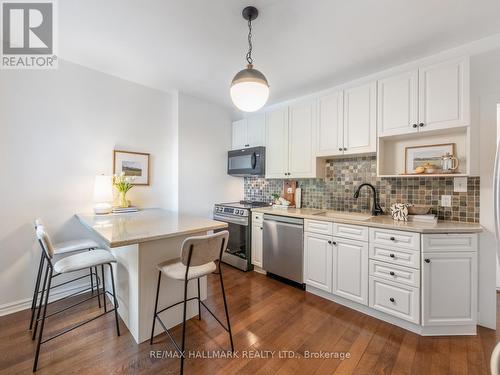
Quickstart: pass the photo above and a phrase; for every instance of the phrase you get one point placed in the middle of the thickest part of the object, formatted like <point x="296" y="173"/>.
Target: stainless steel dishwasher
<point x="283" y="247"/>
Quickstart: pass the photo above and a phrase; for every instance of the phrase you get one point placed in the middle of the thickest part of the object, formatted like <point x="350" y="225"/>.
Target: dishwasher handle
<point x="284" y="219"/>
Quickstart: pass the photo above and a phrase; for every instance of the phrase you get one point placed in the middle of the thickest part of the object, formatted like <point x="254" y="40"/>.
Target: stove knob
<point x="237" y="212"/>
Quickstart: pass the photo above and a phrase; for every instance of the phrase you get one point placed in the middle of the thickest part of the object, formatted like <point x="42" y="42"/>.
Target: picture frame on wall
<point x="420" y="156"/>
<point x="133" y="164"/>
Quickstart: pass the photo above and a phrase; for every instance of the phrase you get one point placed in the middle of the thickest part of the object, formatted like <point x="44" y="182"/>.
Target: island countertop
<point x="145" y="225"/>
<point x="382" y="221"/>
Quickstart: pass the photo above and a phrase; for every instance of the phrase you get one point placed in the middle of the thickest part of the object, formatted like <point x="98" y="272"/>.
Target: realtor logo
<point x="28" y="35"/>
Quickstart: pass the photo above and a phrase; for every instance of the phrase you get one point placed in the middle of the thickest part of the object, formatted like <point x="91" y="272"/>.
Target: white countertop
<point x="382" y="221"/>
<point x="145" y="225"/>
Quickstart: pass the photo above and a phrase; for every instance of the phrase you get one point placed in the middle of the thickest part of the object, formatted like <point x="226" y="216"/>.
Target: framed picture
<point x="133" y="164"/>
<point x="418" y="156"/>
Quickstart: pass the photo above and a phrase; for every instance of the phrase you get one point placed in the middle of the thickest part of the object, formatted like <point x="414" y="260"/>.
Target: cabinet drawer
<point x="316" y="226"/>
<point x="355" y="232"/>
<point x="407" y="240"/>
<point x="257" y="217"/>
<point x="449" y="242"/>
<point x="398" y="274"/>
<point x="393" y="255"/>
<point x="395" y="299"/>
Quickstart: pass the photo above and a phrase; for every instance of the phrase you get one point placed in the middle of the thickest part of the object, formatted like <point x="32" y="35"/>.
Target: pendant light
<point x="249" y="88"/>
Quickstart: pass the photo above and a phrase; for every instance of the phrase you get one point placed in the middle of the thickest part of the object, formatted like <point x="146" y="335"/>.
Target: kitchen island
<point x="140" y="241"/>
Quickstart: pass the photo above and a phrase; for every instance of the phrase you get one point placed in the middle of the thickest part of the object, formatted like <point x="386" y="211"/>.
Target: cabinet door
<point x="444" y="95"/>
<point x="256" y="130"/>
<point x="301" y="140"/>
<point x="398" y="104"/>
<point x="449" y="283"/>
<point x="257" y="244"/>
<point x="239" y="134"/>
<point x="360" y="130"/>
<point x="331" y="124"/>
<point x="277" y="143"/>
<point x="318" y="261"/>
<point x="350" y="269"/>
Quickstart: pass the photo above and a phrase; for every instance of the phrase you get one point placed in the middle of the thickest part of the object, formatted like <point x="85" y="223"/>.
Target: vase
<point x="123" y="199"/>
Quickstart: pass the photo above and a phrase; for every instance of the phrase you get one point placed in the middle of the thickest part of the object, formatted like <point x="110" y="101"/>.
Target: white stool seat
<point x="74" y="245"/>
<point x="174" y="269"/>
<point x="84" y="260"/>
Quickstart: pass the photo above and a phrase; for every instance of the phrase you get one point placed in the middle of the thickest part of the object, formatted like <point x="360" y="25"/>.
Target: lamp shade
<point x="103" y="189"/>
<point x="249" y="89"/>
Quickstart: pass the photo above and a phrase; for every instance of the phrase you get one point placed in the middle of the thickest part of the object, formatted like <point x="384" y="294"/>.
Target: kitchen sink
<point x="345" y="215"/>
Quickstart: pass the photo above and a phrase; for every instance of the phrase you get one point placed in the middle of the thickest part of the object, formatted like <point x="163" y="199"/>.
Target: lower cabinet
<point x="350" y="269"/>
<point x="449" y="285"/>
<point x="318" y="250"/>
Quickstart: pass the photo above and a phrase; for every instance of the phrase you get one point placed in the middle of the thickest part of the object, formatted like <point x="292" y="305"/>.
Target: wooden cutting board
<point x="289" y="187"/>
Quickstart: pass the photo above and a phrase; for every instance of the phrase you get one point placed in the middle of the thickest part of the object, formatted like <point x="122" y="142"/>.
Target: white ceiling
<point x="197" y="46"/>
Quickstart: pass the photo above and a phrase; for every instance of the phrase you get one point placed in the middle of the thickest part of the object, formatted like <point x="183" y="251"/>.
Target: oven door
<point x="237" y="253"/>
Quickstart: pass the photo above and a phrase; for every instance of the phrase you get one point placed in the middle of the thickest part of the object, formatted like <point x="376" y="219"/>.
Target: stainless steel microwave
<point x="247" y="162"/>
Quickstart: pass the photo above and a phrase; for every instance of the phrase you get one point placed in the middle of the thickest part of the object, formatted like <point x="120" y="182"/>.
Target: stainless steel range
<point x="238" y="217"/>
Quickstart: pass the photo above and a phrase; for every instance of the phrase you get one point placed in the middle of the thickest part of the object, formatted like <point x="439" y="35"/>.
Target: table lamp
<point x="103" y="194"/>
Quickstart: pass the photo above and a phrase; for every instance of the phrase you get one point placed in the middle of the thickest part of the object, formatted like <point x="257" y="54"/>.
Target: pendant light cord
<point x="249" y="53"/>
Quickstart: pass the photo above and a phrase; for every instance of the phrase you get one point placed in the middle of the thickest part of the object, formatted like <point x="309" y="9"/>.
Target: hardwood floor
<point x="266" y="315"/>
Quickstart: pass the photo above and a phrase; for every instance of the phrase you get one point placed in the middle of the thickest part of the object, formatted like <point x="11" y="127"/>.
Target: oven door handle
<point x="232" y="220"/>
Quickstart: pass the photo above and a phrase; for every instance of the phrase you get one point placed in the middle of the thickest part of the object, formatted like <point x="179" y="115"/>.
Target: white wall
<point x="485" y="94"/>
<point x="57" y="131"/>
<point x="204" y="139"/>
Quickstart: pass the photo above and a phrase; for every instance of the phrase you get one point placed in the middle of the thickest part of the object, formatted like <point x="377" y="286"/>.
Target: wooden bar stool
<point x="72" y="263"/>
<point x="198" y="256"/>
<point x="62" y="248"/>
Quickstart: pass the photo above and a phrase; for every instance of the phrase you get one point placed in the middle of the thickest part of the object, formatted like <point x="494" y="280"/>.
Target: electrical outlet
<point x="460" y="184"/>
<point x="445" y="200"/>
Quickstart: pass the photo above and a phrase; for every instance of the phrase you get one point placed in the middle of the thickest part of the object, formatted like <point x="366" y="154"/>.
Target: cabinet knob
<point x="247" y="145"/>
<point x="340" y="148"/>
<point x="329" y="242"/>
<point x="345" y="148"/>
<point x="427" y="260"/>
<point x="261" y="228"/>
<point x="392" y="273"/>
<point x="392" y="299"/>
<point x="334" y="243"/>
<point x="392" y="239"/>
<point x="392" y="255"/>
<point x="415" y="126"/>
<point x="421" y="124"/>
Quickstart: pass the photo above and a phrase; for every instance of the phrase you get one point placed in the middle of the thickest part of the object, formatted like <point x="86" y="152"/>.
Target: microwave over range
<point x="247" y="162"/>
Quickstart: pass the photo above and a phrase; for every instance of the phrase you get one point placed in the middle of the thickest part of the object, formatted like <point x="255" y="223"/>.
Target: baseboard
<point x="12" y="307"/>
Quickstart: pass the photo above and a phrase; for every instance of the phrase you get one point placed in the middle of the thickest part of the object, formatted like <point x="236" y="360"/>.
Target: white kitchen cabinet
<point x="330" y="135"/>
<point x="301" y="140"/>
<point x="444" y="100"/>
<point x="350" y="269"/>
<point x="398" y="104"/>
<point x="277" y="143"/>
<point x="318" y="261"/>
<point x="257" y="230"/>
<point x="360" y="119"/>
<point x="249" y="132"/>
<point x="449" y="288"/>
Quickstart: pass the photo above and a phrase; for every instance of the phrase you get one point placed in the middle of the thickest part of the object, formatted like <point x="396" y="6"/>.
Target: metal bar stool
<point x="198" y="256"/>
<point x="60" y="248"/>
<point x="72" y="263"/>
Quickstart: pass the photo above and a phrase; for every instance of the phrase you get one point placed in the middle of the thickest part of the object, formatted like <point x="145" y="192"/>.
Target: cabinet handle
<point x="421" y="124"/>
<point x="427" y="260"/>
<point x="247" y="145"/>
<point x="392" y="255"/>
<point x="392" y="299"/>
<point x="392" y="273"/>
<point x="392" y="239"/>
<point x="415" y="126"/>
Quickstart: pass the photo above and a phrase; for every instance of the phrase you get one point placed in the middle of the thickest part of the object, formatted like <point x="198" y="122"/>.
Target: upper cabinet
<point x="360" y="119"/>
<point x="249" y="132"/>
<point x="347" y="121"/>
<point x="290" y="142"/>
<point x="429" y="98"/>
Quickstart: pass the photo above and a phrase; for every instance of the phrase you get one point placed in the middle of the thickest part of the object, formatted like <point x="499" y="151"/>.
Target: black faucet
<point x="376" y="209"/>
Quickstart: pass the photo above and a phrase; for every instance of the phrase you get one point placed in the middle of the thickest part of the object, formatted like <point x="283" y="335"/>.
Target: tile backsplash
<point x="343" y="175"/>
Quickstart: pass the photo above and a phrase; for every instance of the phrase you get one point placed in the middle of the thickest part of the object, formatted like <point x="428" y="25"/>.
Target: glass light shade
<point x="249" y="90"/>
<point x="103" y="194"/>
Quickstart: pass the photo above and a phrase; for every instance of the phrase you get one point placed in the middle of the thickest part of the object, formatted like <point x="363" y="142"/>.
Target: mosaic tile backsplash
<point x="342" y="177"/>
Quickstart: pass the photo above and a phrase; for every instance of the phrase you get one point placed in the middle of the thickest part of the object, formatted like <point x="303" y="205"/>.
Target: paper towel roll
<point x="298" y="198"/>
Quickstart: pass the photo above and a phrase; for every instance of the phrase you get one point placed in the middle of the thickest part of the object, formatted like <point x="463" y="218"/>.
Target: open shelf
<point x="391" y="151"/>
